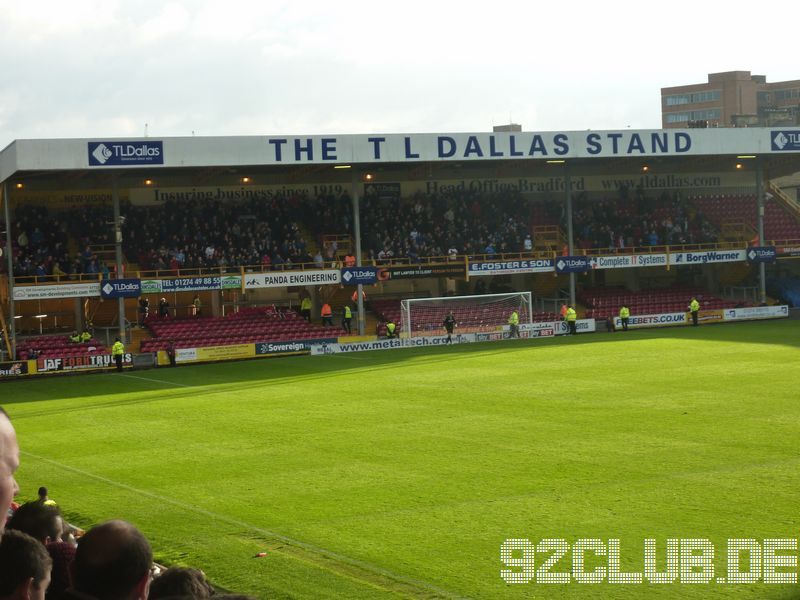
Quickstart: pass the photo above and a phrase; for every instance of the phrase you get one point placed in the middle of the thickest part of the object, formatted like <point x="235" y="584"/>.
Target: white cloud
<point x="104" y="68"/>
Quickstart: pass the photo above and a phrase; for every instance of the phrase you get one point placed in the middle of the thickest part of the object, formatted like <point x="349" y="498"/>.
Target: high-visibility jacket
<point x="624" y="312"/>
<point x="348" y="314"/>
<point x="355" y="296"/>
<point x="563" y="311"/>
<point x="513" y="319"/>
<point x="75" y="338"/>
<point x="117" y="349"/>
<point x="694" y="306"/>
<point x="571" y="314"/>
<point x="390" y="327"/>
<point x="326" y="310"/>
<point x="305" y="303"/>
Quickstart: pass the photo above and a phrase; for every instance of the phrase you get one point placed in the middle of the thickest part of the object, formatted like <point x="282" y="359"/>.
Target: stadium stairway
<point x="791" y="205"/>
<point x="733" y="273"/>
<point x="545" y="285"/>
<point x="137" y="335"/>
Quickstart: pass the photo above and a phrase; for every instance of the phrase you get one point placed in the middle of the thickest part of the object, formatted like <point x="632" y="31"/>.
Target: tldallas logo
<point x="786" y="140"/>
<point x="102" y="154"/>
<point x="145" y="152"/>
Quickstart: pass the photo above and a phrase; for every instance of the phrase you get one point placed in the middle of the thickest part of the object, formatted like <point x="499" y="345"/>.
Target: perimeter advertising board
<point x="86" y="362"/>
<point x="16" y="368"/>
<point x="292" y="278"/>
<point x="422" y="271"/>
<point x="623" y="261"/>
<point x="657" y="320"/>
<point x="50" y="292"/>
<point x="706" y="257"/>
<point x="756" y="312"/>
<point x="511" y="267"/>
<point x="191" y="284"/>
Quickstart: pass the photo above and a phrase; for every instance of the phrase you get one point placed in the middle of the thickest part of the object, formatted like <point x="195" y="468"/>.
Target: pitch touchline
<point x="156" y="380"/>
<point x="265" y="532"/>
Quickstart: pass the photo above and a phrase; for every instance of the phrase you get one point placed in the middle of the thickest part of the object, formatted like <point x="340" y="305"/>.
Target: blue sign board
<point x="762" y="254"/>
<point x="359" y="275"/>
<point x="573" y="264"/>
<point x="120" y="288"/>
<point x="268" y="348"/>
<point x="786" y="140"/>
<point x="122" y="154"/>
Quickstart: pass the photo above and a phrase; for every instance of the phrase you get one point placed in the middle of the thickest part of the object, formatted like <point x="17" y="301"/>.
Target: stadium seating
<point x="249" y="325"/>
<point x="741" y="208"/>
<point x="57" y="345"/>
<point x="603" y="303"/>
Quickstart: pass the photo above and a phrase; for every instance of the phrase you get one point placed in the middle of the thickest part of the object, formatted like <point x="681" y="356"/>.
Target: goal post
<point x="487" y="312"/>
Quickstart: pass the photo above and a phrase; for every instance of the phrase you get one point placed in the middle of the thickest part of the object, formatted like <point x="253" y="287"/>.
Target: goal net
<point x="425" y="316"/>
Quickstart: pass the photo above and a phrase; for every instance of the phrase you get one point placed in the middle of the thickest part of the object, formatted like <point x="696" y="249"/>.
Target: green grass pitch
<point x="401" y="473"/>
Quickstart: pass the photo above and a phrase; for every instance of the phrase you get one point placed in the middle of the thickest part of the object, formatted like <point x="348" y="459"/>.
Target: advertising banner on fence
<point x="86" y="362"/>
<point x="759" y="254"/>
<point x="560" y="327"/>
<point x="659" y="320"/>
<point x="622" y="261"/>
<point x="446" y="270"/>
<point x="756" y="312"/>
<point x="511" y="267"/>
<point x="120" y="288"/>
<point x="290" y="278"/>
<point x="191" y="284"/>
<point x="63" y="290"/>
<point x="711" y="256"/>
<point x="788" y="251"/>
<point x="185" y="355"/>
<point x="359" y="275"/>
<point x="294" y="347"/>
<point x="16" y="368"/>
<point x="226" y="352"/>
<point x="572" y="264"/>
<point x="395" y="343"/>
<point x="525" y="332"/>
<point x="708" y="317"/>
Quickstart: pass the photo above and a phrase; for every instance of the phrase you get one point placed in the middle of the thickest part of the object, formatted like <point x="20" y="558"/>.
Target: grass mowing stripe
<point x="327" y="560"/>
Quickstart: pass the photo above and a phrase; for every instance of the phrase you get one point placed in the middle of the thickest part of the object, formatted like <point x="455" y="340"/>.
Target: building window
<point x="712" y="114"/>
<point x="786" y="94"/>
<point x="695" y="98"/>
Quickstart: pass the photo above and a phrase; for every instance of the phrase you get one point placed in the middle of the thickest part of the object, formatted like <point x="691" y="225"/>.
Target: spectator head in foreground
<point x="24" y="567"/>
<point x="9" y="463"/>
<point x="38" y="520"/>
<point x="181" y="582"/>
<point x="113" y="562"/>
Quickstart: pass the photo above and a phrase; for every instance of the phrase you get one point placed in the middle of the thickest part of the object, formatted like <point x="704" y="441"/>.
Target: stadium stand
<point x="731" y="208"/>
<point x="57" y="345"/>
<point x="604" y="302"/>
<point x="249" y="325"/>
<point x="280" y="232"/>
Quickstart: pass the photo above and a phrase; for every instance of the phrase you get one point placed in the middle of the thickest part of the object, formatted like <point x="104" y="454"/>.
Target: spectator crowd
<point x="279" y="231"/>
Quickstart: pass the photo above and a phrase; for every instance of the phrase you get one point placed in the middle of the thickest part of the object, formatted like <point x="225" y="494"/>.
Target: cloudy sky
<point x="103" y="68"/>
